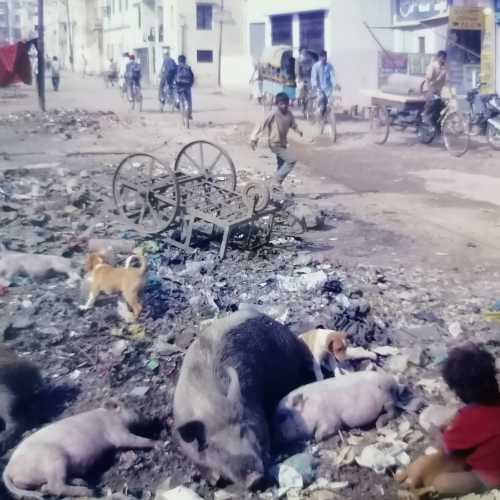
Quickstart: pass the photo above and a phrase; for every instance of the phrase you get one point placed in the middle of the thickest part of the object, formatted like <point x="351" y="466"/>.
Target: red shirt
<point x="476" y="430"/>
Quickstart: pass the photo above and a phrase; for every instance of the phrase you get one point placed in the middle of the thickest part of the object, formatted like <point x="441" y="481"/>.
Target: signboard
<point x="466" y="18"/>
<point x="405" y="11"/>
<point x="488" y="54"/>
<point x="388" y="64"/>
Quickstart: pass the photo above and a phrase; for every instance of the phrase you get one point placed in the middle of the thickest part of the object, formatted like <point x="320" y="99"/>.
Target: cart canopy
<point x="274" y="55"/>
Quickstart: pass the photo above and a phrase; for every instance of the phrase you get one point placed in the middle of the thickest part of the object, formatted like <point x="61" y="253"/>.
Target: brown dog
<point x="419" y="477"/>
<point x="325" y="345"/>
<point x="107" y="279"/>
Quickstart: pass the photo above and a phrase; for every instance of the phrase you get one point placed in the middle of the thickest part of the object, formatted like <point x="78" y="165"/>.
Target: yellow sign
<point x="487" y="75"/>
<point x="466" y="18"/>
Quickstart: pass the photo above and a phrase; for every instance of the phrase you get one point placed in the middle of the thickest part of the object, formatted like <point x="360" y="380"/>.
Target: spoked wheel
<point x="380" y="125"/>
<point x="455" y="130"/>
<point x="206" y="158"/>
<point x="287" y="224"/>
<point x="256" y="196"/>
<point x="328" y="125"/>
<point x="426" y="133"/>
<point x="146" y="193"/>
<point x="493" y="134"/>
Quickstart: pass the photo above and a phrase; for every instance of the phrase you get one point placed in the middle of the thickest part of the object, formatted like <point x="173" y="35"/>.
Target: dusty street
<point x="410" y="234"/>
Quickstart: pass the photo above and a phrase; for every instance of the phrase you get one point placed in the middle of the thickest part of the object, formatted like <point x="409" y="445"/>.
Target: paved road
<point x="412" y="203"/>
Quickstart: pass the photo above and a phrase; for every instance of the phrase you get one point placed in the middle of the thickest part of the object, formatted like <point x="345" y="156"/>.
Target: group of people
<point x="175" y="77"/>
<point x="312" y="77"/>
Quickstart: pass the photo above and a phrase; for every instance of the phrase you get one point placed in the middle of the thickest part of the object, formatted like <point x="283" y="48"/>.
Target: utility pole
<point x="70" y="37"/>
<point x="41" y="57"/>
<point x="219" y="69"/>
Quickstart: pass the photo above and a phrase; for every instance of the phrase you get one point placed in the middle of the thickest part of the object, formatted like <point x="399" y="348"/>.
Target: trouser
<point x="285" y="162"/>
<point x="186" y="92"/>
<point x="55" y="82"/>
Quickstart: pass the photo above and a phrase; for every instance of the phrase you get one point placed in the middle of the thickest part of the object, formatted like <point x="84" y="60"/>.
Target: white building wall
<point x="351" y="49"/>
<point x="183" y="37"/>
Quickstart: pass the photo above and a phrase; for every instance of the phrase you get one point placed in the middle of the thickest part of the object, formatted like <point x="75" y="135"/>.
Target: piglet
<point x="317" y="411"/>
<point x="68" y="448"/>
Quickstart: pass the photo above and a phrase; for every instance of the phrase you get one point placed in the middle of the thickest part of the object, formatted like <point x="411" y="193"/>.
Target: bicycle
<point x="443" y="119"/>
<point x="168" y="98"/>
<point x="134" y="94"/>
<point x="320" y="110"/>
<point x="183" y="107"/>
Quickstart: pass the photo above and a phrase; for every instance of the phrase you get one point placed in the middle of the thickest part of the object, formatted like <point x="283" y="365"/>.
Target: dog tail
<point x="17" y="492"/>
<point x="140" y="258"/>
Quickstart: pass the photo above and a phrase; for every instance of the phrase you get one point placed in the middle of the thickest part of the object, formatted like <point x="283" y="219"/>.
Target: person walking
<point x="323" y="80"/>
<point x="303" y="70"/>
<point x="277" y="125"/>
<point x="55" y="69"/>
<point x="184" y="79"/>
<point x="133" y="78"/>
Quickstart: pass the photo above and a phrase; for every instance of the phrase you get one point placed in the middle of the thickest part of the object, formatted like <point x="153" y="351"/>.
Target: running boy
<point x="276" y="126"/>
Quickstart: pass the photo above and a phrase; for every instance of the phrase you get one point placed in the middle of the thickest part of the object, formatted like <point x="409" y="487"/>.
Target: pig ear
<point x="193" y="431"/>
<point x="233" y="391"/>
<point x="298" y="402"/>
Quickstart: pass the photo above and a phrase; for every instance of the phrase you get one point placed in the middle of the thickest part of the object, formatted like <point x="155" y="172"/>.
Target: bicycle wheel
<point x="380" y="125"/>
<point x="426" y="133"/>
<point x="455" y="129"/>
<point x="493" y="135"/>
<point x="328" y="125"/>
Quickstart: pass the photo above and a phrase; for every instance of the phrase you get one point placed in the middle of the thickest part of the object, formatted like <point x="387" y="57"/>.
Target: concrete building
<point x="17" y="20"/>
<point x="422" y="27"/>
<point x="202" y="29"/>
<point x="73" y="33"/>
<point x="335" y="25"/>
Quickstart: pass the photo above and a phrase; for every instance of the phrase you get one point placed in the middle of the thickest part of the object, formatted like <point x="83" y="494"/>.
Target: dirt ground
<point x="409" y="231"/>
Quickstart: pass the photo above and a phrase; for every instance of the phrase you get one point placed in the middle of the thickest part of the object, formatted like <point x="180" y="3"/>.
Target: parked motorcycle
<point x="485" y="116"/>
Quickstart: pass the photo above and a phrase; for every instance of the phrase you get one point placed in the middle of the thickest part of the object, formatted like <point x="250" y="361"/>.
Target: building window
<point x="421" y="44"/>
<point x="205" y="56"/>
<point x="139" y="17"/>
<point x="312" y="30"/>
<point x="120" y="5"/>
<point x="204" y="16"/>
<point x="281" y="30"/>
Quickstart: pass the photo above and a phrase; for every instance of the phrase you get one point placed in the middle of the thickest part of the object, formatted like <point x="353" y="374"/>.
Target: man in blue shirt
<point x="323" y="79"/>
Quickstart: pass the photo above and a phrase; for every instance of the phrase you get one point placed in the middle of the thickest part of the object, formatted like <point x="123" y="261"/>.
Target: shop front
<point x="467" y="29"/>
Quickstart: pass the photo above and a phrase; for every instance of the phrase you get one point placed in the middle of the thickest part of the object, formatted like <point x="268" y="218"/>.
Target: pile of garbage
<point x="62" y="121"/>
<point x="402" y="316"/>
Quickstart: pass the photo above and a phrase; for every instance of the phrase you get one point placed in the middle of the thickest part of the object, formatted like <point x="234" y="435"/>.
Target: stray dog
<point x="107" y="279"/>
<point x="68" y="449"/>
<point x="35" y="266"/>
<point x="420" y="475"/>
<point x="326" y="345"/>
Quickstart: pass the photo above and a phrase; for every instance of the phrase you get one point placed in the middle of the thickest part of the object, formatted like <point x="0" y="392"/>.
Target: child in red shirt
<point x="469" y="461"/>
<point x="475" y="431"/>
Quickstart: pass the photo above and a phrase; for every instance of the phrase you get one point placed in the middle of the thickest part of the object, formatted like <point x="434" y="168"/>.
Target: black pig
<point x="230" y="383"/>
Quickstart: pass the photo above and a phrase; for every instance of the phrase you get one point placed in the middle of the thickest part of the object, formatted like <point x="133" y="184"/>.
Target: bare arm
<point x="259" y="130"/>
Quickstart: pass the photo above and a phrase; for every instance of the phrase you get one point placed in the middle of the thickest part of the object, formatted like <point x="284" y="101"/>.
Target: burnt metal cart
<point x="200" y="189"/>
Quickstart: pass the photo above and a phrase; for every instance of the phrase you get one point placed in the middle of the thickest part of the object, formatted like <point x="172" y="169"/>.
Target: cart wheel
<point x="455" y="129"/>
<point x="208" y="159"/>
<point x="288" y="225"/>
<point x="256" y="194"/>
<point x="380" y="125"/>
<point x="146" y="193"/>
